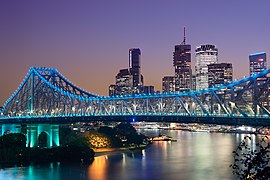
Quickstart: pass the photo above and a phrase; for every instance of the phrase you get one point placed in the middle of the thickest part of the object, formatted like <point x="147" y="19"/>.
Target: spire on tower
<point x="184" y="41"/>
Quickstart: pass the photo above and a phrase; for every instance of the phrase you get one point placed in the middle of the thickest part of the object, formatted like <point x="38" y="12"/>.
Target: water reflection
<point x="97" y="170"/>
<point x="193" y="156"/>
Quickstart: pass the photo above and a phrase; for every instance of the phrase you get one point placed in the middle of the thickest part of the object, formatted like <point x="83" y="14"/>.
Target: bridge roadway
<point x="232" y="121"/>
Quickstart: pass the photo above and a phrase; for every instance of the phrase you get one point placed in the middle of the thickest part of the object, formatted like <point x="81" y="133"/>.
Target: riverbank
<point x="111" y="151"/>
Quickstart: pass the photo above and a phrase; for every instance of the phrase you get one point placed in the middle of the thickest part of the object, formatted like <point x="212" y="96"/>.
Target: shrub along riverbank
<point x="14" y="152"/>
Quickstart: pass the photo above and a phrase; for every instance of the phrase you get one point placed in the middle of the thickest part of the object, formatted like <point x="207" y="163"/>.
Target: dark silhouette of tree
<point x="66" y="135"/>
<point x="107" y="130"/>
<point x="11" y="147"/>
<point x="124" y="129"/>
<point x="252" y="163"/>
<point x="128" y="132"/>
<point x="13" y="140"/>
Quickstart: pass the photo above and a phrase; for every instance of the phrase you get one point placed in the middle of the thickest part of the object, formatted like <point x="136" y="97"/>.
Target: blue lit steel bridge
<point x="46" y="96"/>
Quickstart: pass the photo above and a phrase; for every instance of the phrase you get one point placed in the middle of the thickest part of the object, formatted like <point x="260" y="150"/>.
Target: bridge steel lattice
<point x="45" y="93"/>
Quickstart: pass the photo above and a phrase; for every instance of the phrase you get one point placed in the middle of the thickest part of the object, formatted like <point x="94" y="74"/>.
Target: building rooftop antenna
<point x="184" y="41"/>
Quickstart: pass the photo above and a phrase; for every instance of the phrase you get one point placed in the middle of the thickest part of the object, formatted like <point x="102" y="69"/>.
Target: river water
<point x="195" y="156"/>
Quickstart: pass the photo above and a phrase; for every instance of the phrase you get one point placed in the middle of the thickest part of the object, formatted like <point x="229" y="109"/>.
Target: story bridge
<point x="46" y="99"/>
<point x="46" y="96"/>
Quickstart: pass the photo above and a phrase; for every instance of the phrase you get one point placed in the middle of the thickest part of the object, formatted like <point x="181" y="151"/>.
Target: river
<point x="195" y="156"/>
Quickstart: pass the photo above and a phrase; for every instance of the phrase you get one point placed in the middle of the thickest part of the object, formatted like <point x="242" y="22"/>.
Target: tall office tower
<point x="135" y="69"/>
<point x="124" y="82"/>
<point x="193" y="82"/>
<point x="257" y="63"/>
<point x="205" y="55"/>
<point x="182" y="66"/>
<point x="168" y="84"/>
<point x="219" y="73"/>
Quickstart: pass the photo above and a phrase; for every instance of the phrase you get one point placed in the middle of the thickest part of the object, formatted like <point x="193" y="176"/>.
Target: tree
<point x="107" y="130"/>
<point x="124" y="129"/>
<point x="66" y="135"/>
<point x="12" y="147"/>
<point x="13" y="140"/>
<point x="252" y="163"/>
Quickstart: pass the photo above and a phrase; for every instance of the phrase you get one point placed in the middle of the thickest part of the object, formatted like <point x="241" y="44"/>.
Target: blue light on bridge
<point x="175" y="103"/>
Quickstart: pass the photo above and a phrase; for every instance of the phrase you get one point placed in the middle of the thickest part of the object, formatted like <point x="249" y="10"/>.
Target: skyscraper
<point x="219" y="73"/>
<point x="168" y="84"/>
<point x="130" y="80"/>
<point x="182" y="66"/>
<point x="205" y="55"/>
<point x="193" y="82"/>
<point x="123" y="82"/>
<point x="257" y="63"/>
<point x="135" y="69"/>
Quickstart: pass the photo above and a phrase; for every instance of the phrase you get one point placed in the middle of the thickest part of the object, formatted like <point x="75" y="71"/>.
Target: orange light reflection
<point x="97" y="170"/>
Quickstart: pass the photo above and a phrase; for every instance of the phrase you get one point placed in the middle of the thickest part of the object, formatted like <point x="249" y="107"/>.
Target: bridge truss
<point x="46" y="93"/>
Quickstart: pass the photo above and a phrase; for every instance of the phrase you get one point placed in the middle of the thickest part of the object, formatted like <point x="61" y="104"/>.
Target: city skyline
<point x="88" y="41"/>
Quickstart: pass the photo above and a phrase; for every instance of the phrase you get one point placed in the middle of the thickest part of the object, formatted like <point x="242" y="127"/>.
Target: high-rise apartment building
<point x="205" y="55"/>
<point x="182" y="66"/>
<point x="257" y="63"/>
<point x="219" y="73"/>
<point x="123" y="82"/>
<point x="168" y="84"/>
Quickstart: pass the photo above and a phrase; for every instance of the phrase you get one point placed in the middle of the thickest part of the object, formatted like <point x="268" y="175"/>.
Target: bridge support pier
<point x="34" y="131"/>
<point x="13" y="128"/>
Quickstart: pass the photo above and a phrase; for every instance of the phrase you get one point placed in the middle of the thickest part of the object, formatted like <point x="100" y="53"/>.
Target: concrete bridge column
<point x="32" y="135"/>
<point x="34" y="131"/>
<point x="55" y="135"/>
<point x="52" y="130"/>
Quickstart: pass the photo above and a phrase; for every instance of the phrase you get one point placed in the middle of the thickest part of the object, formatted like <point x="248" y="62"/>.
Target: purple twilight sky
<point x="88" y="41"/>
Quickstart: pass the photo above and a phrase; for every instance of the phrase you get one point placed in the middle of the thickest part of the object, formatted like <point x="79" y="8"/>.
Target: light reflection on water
<point x="194" y="156"/>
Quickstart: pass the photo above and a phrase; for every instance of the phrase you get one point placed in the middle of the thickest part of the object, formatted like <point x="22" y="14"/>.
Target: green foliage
<point x="107" y="130"/>
<point x="135" y="139"/>
<point x="13" y="140"/>
<point x="12" y="147"/>
<point x="251" y="163"/>
<point x="124" y="129"/>
<point x="66" y="135"/>
<point x="111" y="134"/>
<point x="128" y="132"/>
<point x="79" y="141"/>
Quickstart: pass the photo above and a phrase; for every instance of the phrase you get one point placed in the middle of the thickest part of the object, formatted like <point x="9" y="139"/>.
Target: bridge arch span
<point x="45" y="93"/>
